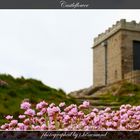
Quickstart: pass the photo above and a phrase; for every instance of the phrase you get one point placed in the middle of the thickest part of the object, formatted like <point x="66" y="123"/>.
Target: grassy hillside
<point x="14" y="90"/>
<point x="113" y="96"/>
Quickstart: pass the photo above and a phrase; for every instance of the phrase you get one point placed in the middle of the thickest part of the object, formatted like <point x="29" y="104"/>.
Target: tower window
<point x="136" y="55"/>
<point x="116" y="74"/>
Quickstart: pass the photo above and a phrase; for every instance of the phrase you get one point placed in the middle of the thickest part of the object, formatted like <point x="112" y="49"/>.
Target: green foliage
<point x="129" y="87"/>
<point x="128" y="93"/>
<point x="20" y="88"/>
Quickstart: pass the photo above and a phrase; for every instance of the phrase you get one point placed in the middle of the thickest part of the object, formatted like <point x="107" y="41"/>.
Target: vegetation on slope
<point x="14" y="90"/>
<point x="113" y="96"/>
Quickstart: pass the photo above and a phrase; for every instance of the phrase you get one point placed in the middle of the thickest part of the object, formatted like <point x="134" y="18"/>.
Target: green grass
<point x="114" y="96"/>
<point x="19" y="89"/>
<point x="128" y="94"/>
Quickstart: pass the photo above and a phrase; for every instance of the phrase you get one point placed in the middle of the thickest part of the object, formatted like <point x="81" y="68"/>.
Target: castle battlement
<point x="122" y="24"/>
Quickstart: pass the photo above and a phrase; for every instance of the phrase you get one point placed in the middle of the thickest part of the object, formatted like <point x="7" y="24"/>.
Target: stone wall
<point x="119" y="40"/>
<point x="98" y="66"/>
<point x="113" y="61"/>
<point x="114" y="58"/>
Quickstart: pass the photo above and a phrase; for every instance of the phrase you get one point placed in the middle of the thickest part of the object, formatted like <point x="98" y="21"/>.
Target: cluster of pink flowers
<point x="73" y="117"/>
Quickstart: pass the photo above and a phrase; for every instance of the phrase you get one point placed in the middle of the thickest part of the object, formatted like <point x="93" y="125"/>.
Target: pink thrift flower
<point x="108" y="123"/>
<point x="62" y="104"/>
<point x="67" y="109"/>
<point x="138" y="117"/>
<point x="21" y="116"/>
<point x="39" y="113"/>
<point x="86" y="104"/>
<point x="50" y="111"/>
<point x="5" y="126"/>
<point x="80" y="113"/>
<point x="51" y="127"/>
<point x="87" y="128"/>
<point x="9" y="117"/>
<point x="84" y="123"/>
<point x="52" y="105"/>
<point x="122" y="128"/>
<point x="96" y="120"/>
<point x="29" y="112"/>
<point x="66" y="118"/>
<point x="17" y="129"/>
<point x="41" y="105"/>
<point x="37" y="127"/>
<point x="38" y="106"/>
<point x="123" y="122"/>
<point x="56" y="109"/>
<point x="102" y="119"/>
<point x="138" y="108"/>
<point x="124" y="116"/>
<point x="81" y="106"/>
<point x="26" y="121"/>
<point x="43" y="127"/>
<point x="42" y="119"/>
<point x="115" y="124"/>
<point x="115" y="118"/>
<point x="22" y="126"/>
<point x="73" y="111"/>
<point x="129" y="112"/>
<point x="43" y="110"/>
<point x="123" y="111"/>
<point x="51" y="118"/>
<point x="137" y="113"/>
<point x="95" y="110"/>
<point x="107" y="109"/>
<point x="53" y="110"/>
<point x="122" y="107"/>
<point x="13" y="123"/>
<point x="128" y="106"/>
<point x="25" y="105"/>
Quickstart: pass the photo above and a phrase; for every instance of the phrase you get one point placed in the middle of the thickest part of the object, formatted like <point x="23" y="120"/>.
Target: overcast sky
<point x="54" y="45"/>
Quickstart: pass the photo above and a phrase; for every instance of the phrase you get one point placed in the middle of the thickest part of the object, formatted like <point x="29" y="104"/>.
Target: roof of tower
<point x="122" y="24"/>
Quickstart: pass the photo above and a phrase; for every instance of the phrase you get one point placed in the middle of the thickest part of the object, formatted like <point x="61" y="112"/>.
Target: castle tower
<point x="116" y="54"/>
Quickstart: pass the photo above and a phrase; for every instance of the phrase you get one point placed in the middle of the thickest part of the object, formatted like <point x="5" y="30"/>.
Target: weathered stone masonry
<point x="115" y="54"/>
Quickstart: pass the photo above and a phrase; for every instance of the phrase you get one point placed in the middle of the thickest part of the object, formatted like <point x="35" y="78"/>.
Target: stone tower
<point x="116" y="54"/>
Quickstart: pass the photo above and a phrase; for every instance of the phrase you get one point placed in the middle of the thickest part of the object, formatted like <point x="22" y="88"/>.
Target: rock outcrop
<point x="3" y="83"/>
